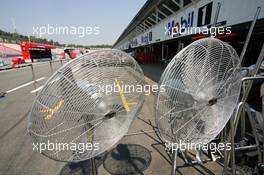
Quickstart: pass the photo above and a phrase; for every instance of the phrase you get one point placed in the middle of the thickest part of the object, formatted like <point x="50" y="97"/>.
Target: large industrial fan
<point x="201" y="90"/>
<point x="85" y="108"/>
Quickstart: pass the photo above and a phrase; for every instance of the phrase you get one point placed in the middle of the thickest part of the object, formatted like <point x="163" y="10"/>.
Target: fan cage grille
<point x="74" y="105"/>
<point x="201" y="87"/>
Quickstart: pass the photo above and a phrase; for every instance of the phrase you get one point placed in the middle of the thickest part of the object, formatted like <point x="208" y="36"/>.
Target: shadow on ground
<point x="81" y="168"/>
<point x="127" y="159"/>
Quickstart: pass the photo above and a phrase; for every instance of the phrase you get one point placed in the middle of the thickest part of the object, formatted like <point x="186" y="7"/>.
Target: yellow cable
<point x="52" y="110"/>
<point x="123" y="98"/>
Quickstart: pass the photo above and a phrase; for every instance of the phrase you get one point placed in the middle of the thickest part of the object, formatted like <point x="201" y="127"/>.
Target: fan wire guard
<point x="198" y="92"/>
<point x="77" y="107"/>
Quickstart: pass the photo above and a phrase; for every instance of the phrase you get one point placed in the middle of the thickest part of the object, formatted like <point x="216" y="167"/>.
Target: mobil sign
<point x="190" y="17"/>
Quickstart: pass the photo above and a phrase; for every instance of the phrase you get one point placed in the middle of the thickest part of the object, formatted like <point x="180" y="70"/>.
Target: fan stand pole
<point x="216" y="14"/>
<point x="233" y="165"/>
<point x="174" y="162"/>
<point x="262" y="95"/>
<point x="249" y="33"/>
<point x="94" y="169"/>
<point x="237" y="116"/>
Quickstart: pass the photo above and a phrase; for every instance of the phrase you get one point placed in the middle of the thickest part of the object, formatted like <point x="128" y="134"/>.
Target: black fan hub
<point x="212" y="102"/>
<point x="110" y="115"/>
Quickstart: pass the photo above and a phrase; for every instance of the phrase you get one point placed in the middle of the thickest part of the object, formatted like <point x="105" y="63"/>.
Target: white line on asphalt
<point x="36" y="90"/>
<point x="24" y="85"/>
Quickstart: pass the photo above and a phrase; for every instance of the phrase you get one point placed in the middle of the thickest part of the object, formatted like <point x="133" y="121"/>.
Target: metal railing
<point x="21" y="74"/>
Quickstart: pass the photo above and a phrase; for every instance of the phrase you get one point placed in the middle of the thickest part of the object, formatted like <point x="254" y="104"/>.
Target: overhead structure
<point x="161" y="21"/>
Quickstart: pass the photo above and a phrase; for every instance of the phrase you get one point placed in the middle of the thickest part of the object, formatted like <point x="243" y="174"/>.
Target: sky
<point x="85" y="22"/>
